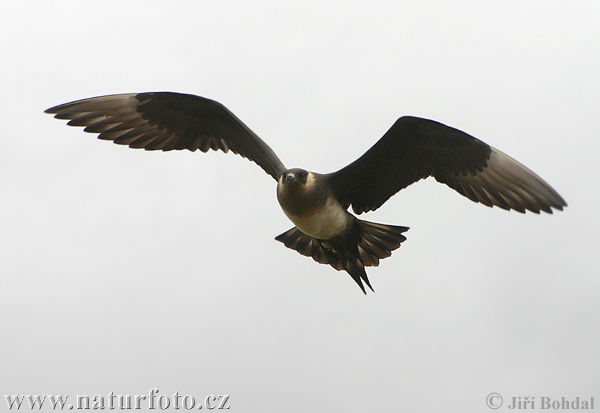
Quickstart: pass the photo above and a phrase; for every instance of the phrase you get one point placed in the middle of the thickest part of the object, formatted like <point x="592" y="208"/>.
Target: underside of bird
<point x="363" y="246"/>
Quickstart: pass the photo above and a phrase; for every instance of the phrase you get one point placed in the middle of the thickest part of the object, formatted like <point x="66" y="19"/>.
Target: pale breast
<point x="327" y="222"/>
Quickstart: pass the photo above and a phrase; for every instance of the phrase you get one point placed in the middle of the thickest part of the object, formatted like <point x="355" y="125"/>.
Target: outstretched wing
<point x="416" y="148"/>
<point x="167" y="121"/>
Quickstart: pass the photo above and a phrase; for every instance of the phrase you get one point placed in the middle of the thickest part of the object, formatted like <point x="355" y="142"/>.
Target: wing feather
<point x="416" y="148"/>
<point x="169" y="121"/>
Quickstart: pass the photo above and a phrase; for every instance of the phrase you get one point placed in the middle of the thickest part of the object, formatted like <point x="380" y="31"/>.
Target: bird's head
<point x="298" y="191"/>
<point x="294" y="176"/>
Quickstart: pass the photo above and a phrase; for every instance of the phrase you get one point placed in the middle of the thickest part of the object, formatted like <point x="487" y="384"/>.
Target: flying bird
<point x="317" y="204"/>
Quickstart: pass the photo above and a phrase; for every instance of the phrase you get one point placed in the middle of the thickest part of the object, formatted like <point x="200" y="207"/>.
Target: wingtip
<point x="508" y="184"/>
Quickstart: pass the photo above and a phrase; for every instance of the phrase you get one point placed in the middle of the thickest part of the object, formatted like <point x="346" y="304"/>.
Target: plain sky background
<point x="124" y="270"/>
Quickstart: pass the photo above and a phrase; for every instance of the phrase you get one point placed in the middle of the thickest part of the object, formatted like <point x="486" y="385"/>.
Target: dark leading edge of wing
<point x="169" y="121"/>
<point x="416" y="148"/>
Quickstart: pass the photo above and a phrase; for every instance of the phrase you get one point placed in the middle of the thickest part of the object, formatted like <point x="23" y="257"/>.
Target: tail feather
<point x="364" y="246"/>
<point x="356" y="269"/>
<point x="378" y="241"/>
<point x="308" y="246"/>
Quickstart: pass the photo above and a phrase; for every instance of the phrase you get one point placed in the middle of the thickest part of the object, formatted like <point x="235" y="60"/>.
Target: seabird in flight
<point x="412" y="149"/>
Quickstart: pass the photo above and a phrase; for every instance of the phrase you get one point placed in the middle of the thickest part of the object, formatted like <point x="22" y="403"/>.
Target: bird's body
<point x="313" y="210"/>
<point x="328" y="221"/>
<point x="317" y="204"/>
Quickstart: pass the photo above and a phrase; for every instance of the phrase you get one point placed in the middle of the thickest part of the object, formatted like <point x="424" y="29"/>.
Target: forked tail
<point x="363" y="246"/>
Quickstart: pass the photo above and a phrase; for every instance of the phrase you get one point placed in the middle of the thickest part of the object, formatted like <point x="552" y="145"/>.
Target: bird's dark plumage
<point x="416" y="148"/>
<point x="169" y="121"/>
<point x="317" y="204"/>
<point x="370" y="242"/>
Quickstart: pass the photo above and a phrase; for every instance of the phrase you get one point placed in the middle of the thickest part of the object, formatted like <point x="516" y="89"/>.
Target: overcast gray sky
<point x="125" y="270"/>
